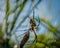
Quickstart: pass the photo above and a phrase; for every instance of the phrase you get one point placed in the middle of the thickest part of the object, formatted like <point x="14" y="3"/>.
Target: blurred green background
<point x="15" y="21"/>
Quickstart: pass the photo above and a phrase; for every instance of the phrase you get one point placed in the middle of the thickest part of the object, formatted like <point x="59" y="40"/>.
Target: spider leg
<point x="35" y="37"/>
<point x="23" y="30"/>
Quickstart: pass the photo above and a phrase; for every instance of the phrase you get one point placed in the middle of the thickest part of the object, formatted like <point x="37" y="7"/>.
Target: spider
<point x="33" y="28"/>
<point x="27" y="34"/>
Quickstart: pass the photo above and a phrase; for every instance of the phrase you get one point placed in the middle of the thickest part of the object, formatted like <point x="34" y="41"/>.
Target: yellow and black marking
<point x="33" y="24"/>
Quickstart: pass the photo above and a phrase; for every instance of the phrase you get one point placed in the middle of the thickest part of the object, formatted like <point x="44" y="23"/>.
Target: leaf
<point x="40" y="45"/>
<point x="6" y="16"/>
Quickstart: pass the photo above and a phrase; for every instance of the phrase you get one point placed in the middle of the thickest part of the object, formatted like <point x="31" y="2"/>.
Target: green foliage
<point x="6" y="15"/>
<point x="11" y="43"/>
<point x="39" y="45"/>
<point x="0" y="27"/>
<point x="43" y="40"/>
<point x="1" y="34"/>
<point x="46" y="40"/>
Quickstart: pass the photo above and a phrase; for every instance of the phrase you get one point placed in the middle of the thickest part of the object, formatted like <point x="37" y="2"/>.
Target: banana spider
<point x="32" y="29"/>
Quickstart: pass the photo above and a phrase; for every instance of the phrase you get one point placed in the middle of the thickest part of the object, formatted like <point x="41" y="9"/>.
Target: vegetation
<point x="9" y="28"/>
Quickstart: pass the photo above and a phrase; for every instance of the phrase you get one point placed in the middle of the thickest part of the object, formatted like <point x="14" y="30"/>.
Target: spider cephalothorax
<point x="33" y="24"/>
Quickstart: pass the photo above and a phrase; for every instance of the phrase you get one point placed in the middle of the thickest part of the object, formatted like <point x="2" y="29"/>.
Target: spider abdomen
<point x="24" y="40"/>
